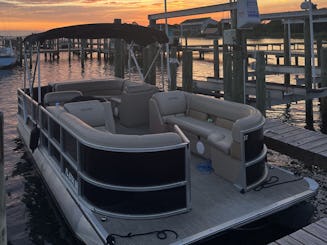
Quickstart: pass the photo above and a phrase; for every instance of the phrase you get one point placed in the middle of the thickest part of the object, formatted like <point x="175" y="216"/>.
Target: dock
<point x="305" y="145"/>
<point x="315" y="233"/>
<point x="276" y="93"/>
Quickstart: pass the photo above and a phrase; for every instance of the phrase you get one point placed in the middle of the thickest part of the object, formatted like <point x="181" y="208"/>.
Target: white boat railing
<point x="97" y="173"/>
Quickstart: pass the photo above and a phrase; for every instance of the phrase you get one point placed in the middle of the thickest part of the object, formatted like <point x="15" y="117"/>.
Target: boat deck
<point x="216" y="206"/>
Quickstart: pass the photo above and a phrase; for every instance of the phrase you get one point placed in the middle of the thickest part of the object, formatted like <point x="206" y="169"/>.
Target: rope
<point x="273" y="181"/>
<point x="161" y="235"/>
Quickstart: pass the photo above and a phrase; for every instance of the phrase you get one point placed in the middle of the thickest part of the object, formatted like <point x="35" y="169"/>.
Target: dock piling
<point x="3" y="227"/>
<point x="287" y="57"/>
<point x="260" y="82"/>
<point x="323" y="81"/>
<point x="148" y="56"/>
<point x="216" y="58"/>
<point x="308" y="74"/>
<point x="187" y="77"/>
<point x="228" y="76"/>
<point x="173" y="68"/>
<point x="118" y="55"/>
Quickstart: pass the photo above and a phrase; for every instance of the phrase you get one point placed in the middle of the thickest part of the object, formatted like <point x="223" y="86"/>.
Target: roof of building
<point x="198" y="20"/>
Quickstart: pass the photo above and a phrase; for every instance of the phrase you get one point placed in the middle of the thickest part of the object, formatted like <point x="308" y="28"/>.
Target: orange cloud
<point x="46" y="14"/>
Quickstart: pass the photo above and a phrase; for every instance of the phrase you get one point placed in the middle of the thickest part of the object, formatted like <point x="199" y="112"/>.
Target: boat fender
<point x="200" y="148"/>
<point x="34" y="138"/>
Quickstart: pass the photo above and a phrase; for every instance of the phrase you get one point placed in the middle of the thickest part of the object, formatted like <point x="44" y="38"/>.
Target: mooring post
<point x="83" y="45"/>
<point x="238" y="71"/>
<point x="323" y="81"/>
<point x="106" y="49"/>
<point x="99" y="49"/>
<point x="319" y="47"/>
<point x="173" y="68"/>
<point x="238" y="81"/>
<point x="58" y="49"/>
<point x="69" y="50"/>
<point x="91" y="48"/>
<point x="187" y="70"/>
<point x="3" y="227"/>
<point x="216" y="58"/>
<point x="118" y="55"/>
<point x="20" y="48"/>
<point x="287" y="58"/>
<point x="261" y="82"/>
<point x="148" y="56"/>
<point x="308" y="74"/>
<point x="228" y="71"/>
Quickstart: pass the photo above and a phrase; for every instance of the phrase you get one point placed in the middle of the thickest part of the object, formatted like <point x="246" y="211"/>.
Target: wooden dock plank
<point x="321" y="148"/>
<point x="285" y="133"/>
<point x="300" y="135"/>
<point x="306" y="238"/>
<point x="293" y="135"/>
<point x="287" y="240"/>
<point x="310" y="139"/>
<point x="308" y="146"/>
<point x="272" y="123"/>
<point x="322" y="223"/>
<point x="315" y="143"/>
<point x="279" y="132"/>
<point x="317" y="231"/>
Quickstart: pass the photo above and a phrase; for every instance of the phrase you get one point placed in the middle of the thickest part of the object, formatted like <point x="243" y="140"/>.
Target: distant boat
<point x="8" y="56"/>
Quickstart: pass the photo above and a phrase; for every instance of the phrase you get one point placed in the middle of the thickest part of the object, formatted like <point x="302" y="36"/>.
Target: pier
<point x="306" y="145"/>
<point x="315" y="233"/>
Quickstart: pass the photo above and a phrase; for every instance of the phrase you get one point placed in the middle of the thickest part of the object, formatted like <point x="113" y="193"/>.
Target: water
<point x="31" y="213"/>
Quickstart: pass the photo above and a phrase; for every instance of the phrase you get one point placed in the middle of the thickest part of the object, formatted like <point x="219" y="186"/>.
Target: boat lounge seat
<point x="229" y="134"/>
<point x="61" y="97"/>
<point x="93" y="112"/>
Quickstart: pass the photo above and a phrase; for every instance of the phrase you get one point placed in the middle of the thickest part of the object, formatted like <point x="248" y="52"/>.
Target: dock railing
<point x="3" y="230"/>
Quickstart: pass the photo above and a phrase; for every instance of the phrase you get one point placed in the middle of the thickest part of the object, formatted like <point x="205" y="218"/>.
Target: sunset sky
<point x="40" y="15"/>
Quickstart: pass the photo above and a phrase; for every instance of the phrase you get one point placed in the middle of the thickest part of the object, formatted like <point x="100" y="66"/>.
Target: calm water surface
<point x="31" y="213"/>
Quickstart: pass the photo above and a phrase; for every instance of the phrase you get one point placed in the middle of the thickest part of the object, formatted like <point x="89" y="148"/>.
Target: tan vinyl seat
<point x="60" y="97"/>
<point x="94" y="113"/>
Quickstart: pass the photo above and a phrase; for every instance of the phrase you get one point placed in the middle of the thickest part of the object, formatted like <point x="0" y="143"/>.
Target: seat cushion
<point x="223" y="144"/>
<point x="91" y="112"/>
<point x="60" y="97"/>
<point x="220" y="138"/>
<point x="197" y="127"/>
<point x="172" y="102"/>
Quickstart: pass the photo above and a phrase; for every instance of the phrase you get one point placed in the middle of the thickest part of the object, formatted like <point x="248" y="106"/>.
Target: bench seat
<point x="219" y="137"/>
<point x="228" y="133"/>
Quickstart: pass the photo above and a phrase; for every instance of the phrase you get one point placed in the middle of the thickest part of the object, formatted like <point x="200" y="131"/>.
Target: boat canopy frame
<point x="130" y="33"/>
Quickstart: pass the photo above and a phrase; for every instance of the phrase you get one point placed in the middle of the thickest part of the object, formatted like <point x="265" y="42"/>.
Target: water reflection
<point x="44" y="224"/>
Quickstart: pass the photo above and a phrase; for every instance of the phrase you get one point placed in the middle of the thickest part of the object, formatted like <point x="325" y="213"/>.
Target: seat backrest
<point x="170" y="103"/>
<point x="61" y="97"/>
<point x="134" y="106"/>
<point x="94" y="113"/>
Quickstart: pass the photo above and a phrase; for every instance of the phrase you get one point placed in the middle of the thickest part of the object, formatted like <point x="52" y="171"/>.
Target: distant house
<point x="173" y="33"/>
<point x="196" y="27"/>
